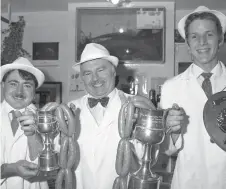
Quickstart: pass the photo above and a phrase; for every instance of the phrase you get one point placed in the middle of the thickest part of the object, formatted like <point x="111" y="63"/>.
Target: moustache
<point x="19" y="95"/>
<point x="97" y="82"/>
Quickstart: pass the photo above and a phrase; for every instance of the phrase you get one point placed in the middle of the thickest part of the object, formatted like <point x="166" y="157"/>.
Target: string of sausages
<point x="69" y="150"/>
<point x="125" y="128"/>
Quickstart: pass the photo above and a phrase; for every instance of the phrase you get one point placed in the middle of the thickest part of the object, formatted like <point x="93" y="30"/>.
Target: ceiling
<point x="61" y="5"/>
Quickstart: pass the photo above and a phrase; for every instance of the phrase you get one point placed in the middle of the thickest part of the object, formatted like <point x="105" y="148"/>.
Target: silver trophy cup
<point x="149" y="130"/>
<point x="47" y="127"/>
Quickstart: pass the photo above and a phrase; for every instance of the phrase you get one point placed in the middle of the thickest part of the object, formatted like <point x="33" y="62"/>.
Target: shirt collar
<point x="110" y="95"/>
<point x="197" y="71"/>
<point x="9" y="108"/>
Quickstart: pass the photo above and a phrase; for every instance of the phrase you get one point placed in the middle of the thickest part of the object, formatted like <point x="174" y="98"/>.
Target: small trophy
<point x="149" y="130"/>
<point x="47" y="127"/>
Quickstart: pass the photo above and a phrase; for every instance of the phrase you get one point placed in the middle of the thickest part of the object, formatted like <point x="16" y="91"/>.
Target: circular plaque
<point x="214" y="116"/>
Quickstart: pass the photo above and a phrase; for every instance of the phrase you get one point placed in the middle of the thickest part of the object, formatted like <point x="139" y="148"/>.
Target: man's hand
<point x="174" y="119"/>
<point x="25" y="169"/>
<point x="21" y="168"/>
<point x="27" y="122"/>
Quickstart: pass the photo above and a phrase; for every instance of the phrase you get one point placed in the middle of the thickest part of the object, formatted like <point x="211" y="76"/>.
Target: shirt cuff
<point x="173" y="148"/>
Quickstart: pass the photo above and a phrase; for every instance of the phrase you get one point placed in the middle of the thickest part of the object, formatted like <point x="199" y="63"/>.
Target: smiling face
<point x="204" y="41"/>
<point x="17" y="91"/>
<point x="98" y="77"/>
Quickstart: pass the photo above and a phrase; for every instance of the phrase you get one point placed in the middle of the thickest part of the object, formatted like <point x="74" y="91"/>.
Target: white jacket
<point x="98" y="145"/>
<point x="13" y="149"/>
<point x="200" y="164"/>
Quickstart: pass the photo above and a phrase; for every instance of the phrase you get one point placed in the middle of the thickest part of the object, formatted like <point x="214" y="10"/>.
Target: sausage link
<point x="140" y="104"/>
<point x="71" y="119"/>
<point x="59" y="179"/>
<point x="123" y="182"/>
<point x="71" y="153"/>
<point x="60" y="118"/>
<point x="50" y="106"/>
<point x="122" y="121"/>
<point x="143" y="102"/>
<point x="63" y="153"/>
<point x="123" y="158"/>
<point x="68" y="179"/>
<point x="116" y="184"/>
<point x="129" y="120"/>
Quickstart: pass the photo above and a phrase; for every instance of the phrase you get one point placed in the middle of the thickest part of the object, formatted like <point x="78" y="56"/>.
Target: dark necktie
<point x="14" y="122"/>
<point x="206" y="84"/>
<point x="93" y="101"/>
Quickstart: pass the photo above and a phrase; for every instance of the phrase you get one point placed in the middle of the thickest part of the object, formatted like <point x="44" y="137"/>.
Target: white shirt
<point x="200" y="164"/>
<point x="98" y="111"/>
<point x="13" y="149"/>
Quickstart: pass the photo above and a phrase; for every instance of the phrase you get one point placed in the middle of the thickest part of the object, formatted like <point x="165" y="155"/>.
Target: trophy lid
<point x="214" y="117"/>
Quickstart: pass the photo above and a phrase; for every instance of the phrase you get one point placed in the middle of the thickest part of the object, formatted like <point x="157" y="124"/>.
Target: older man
<point x="19" y="145"/>
<point x="99" y="136"/>
<point x="201" y="164"/>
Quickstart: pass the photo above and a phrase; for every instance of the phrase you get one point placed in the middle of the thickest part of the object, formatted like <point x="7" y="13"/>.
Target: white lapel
<point x="111" y="112"/>
<point x="222" y="84"/>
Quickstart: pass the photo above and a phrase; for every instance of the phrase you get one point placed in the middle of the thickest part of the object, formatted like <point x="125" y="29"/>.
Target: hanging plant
<point x="12" y="44"/>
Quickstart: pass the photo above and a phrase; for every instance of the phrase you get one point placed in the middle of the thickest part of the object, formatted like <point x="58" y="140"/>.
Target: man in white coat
<point x="99" y="136"/>
<point x="19" y="145"/>
<point x="201" y="164"/>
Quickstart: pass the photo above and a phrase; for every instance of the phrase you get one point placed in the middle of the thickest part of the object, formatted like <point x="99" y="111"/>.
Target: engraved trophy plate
<point x="214" y="116"/>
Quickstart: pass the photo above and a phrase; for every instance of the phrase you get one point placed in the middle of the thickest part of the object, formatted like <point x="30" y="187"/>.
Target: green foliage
<point x="12" y="44"/>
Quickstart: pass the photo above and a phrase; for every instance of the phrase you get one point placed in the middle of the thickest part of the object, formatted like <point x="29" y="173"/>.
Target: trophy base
<point x="138" y="183"/>
<point x="48" y="162"/>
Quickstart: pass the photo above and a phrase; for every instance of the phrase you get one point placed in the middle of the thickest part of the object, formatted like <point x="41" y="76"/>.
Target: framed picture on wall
<point x="48" y="92"/>
<point x="45" y="51"/>
<point x="134" y="35"/>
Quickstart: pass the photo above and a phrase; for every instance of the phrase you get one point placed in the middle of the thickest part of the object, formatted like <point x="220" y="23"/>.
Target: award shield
<point x="214" y="117"/>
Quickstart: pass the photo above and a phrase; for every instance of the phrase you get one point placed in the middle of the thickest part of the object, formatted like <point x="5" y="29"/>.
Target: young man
<point x="201" y="164"/>
<point x="19" y="145"/>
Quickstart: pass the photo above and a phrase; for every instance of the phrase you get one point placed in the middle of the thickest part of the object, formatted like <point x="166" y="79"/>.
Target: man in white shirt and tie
<point x="19" y="145"/>
<point x="201" y="164"/>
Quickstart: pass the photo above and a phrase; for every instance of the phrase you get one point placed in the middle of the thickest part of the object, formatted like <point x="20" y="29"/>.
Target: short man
<point x="99" y="136"/>
<point x="201" y="164"/>
<point x="19" y="145"/>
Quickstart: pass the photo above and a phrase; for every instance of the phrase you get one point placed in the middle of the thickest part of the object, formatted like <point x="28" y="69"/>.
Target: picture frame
<point x="135" y="35"/>
<point x="48" y="92"/>
<point x="177" y="37"/>
<point x="45" y="51"/>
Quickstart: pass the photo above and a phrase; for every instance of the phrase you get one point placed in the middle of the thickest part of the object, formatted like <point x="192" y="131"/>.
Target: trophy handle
<point x="155" y="149"/>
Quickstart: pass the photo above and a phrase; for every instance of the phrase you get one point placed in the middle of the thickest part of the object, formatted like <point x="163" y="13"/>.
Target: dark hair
<point x="203" y="16"/>
<point x="24" y="74"/>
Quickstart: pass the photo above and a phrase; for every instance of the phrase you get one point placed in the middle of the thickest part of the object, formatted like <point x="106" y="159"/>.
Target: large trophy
<point x="214" y="116"/>
<point x="149" y="130"/>
<point x="139" y="119"/>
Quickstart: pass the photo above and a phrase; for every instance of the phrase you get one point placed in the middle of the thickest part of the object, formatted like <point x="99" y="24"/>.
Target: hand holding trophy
<point x="149" y="130"/>
<point x="51" y="120"/>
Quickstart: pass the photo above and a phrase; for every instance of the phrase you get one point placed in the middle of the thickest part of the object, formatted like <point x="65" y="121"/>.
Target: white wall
<point x="58" y="26"/>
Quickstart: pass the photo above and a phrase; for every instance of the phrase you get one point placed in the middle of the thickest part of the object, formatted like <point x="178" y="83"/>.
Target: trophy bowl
<point x="47" y="126"/>
<point x="149" y="128"/>
<point x="150" y="131"/>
